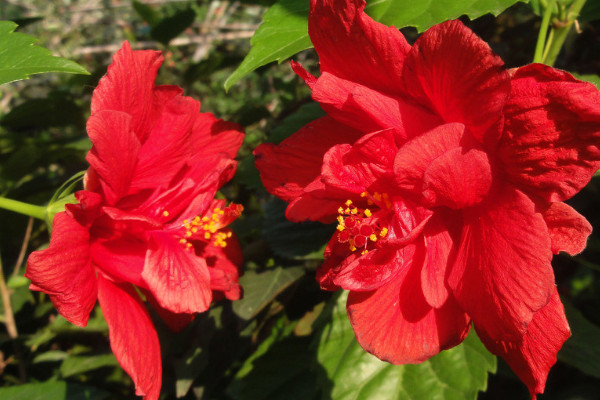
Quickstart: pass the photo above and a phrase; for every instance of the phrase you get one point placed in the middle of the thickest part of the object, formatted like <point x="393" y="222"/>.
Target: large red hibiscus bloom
<point x="147" y="220"/>
<point x="447" y="175"/>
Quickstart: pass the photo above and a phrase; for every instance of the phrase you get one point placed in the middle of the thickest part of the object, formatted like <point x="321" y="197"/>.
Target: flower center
<point x="207" y="228"/>
<point x="357" y="227"/>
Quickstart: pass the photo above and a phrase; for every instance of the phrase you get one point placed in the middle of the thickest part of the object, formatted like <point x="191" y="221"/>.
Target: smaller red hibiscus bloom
<point x="147" y="219"/>
<point x="447" y="175"/>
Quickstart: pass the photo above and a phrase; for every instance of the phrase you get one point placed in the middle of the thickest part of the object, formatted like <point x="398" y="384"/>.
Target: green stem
<point x="541" y="41"/>
<point x="23" y="208"/>
<point x="561" y="33"/>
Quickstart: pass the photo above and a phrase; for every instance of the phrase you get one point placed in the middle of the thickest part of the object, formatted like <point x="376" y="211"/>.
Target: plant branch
<point x="23" y="251"/>
<point x="23" y="208"/>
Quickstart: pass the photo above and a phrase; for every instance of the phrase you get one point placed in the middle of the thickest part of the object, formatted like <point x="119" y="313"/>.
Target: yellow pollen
<point x="384" y="232"/>
<point x="188" y="245"/>
<point x="341" y="227"/>
<point x="186" y="221"/>
<point x="188" y="233"/>
<point x="207" y="235"/>
<point x="194" y="229"/>
<point x="340" y="210"/>
<point x="354" y="211"/>
<point x="364" y="252"/>
<point x="204" y="219"/>
<point x="352" y="247"/>
<point x="340" y="219"/>
<point x="364" y="194"/>
<point x="373" y="237"/>
<point x="367" y="212"/>
<point x="182" y="241"/>
<point x="165" y="213"/>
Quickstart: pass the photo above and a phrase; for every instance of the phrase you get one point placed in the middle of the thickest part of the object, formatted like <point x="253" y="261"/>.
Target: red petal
<point x="551" y="134"/>
<point x="128" y="86"/>
<point x="456" y="74"/>
<point x="214" y="136"/>
<point x="121" y="259"/>
<point x="317" y="203"/>
<point x="115" y="151"/>
<point x="414" y="157"/>
<point x="64" y="270"/>
<point x="532" y="357"/>
<point x="88" y="208"/>
<point x="178" y="279"/>
<point x="132" y="336"/>
<point x="286" y="169"/>
<point x="352" y="46"/>
<point x="458" y="178"/>
<point x="224" y="266"/>
<point x="175" y="322"/>
<point x="502" y="273"/>
<point x="568" y="229"/>
<point x="396" y="324"/>
<point x="356" y="168"/>
<point x="369" y="110"/>
<point x="309" y="79"/>
<point x="438" y="245"/>
<point x="168" y="145"/>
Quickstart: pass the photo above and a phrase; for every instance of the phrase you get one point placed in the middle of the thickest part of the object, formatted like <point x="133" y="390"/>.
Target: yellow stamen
<point x="165" y="213"/>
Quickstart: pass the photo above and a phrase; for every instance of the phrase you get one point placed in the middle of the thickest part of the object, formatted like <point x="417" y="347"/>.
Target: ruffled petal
<point x="352" y="46"/>
<point x="286" y="169"/>
<point x="167" y="147"/>
<point x="534" y="354"/>
<point x="128" y="86"/>
<point x="356" y="168"/>
<point x="224" y="264"/>
<point x="110" y="130"/>
<point x="568" y="229"/>
<point x="414" y="157"/>
<point x="438" y="247"/>
<point x="211" y="136"/>
<point x="178" y="279"/>
<point x="132" y="336"/>
<point x="502" y="274"/>
<point x="456" y="74"/>
<point x="396" y="324"/>
<point x="64" y="270"/>
<point x="458" y="179"/>
<point x="551" y="135"/>
<point x="369" y="110"/>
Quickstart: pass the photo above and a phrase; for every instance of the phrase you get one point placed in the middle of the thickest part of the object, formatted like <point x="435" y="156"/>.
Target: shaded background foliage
<point x="286" y="338"/>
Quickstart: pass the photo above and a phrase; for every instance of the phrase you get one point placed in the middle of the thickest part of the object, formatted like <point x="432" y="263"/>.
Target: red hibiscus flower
<point x="447" y="175"/>
<point x="147" y="220"/>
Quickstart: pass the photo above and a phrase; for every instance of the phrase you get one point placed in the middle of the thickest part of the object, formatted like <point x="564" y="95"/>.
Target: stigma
<point x="357" y="227"/>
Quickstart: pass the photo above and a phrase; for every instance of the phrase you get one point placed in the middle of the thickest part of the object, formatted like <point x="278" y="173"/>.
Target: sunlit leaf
<point x="19" y="58"/>
<point x="261" y="288"/>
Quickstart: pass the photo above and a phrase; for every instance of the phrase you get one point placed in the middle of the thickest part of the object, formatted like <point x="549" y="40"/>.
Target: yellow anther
<point x="213" y="229"/>
<point x="204" y="219"/>
<point x="340" y="219"/>
<point x="384" y="232"/>
<point x="341" y="227"/>
<point x="188" y="245"/>
<point x="194" y="229"/>
<point x="229" y="234"/>
<point x="347" y="211"/>
<point x="206" y="235"/>
<point x="165" y="213"/>
<point x="377" y="196"/>
<point x="354" y="211"/>
<point x="182" y="241"/>
<point x="185" y="221"/>
<point x="352" y="247"/>
<point x="373" y="237"/>
<point x="348" y="202"/>
<point x="340" y="210"/>
<point x="188" y="233"/>
<point x="364" y="252"/>
<point x="196" y="220"/>
<point x="368" y="212"/>
<point x="364" y="194"/>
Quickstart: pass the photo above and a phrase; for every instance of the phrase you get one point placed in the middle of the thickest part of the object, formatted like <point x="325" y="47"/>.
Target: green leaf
<point x="424" y="14"/>
<point x="284" y="31"/>
<point x="43" y="113"/>
<point x="53" y="390"/>
<point x="75" y="365"/>
<point x="19" y="58"/>
<point x="294" y="240"/>
<point x="147" y="13"/>
<point x="51" y="356"/>
<point x="458" y="373"/>
<point x="261" y="288"/>
<point x="582" y="350"/>
<point x="170" y="27"/>
<point x="590" y="11"/>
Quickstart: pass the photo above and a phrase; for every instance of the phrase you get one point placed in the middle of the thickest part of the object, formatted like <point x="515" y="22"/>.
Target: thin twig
<point x="9" y="321"/>
<point x="23" y="247"/>
<point x="184" y="41"/>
